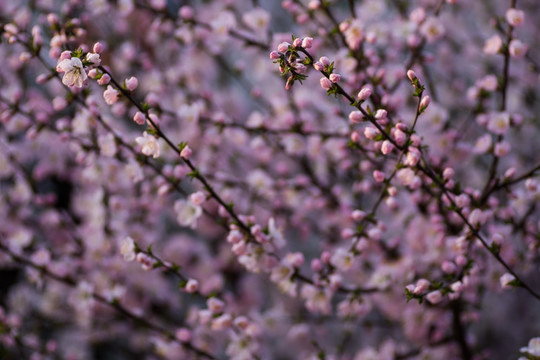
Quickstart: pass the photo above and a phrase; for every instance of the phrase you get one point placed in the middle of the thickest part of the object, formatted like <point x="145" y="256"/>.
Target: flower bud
<point x="307" y="43"/>
<point x="356" y="117"/>
<point x="132" y="83"/>
<point x="364" y="94"/>
<point x="424" y="103"/>
<point x="283" y="47"/>
<point x="326" y="84"/>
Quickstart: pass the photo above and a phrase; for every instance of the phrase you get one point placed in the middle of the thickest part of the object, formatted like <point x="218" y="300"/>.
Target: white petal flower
<point x="150" y="145"/>
<point x="534" y="347"/>
<point x="276" y="234"/>
<point x="74" y="74"/>
<point x="127" y="249"/>
<point x="187" y="212"/>
<point x="342" y="259"/>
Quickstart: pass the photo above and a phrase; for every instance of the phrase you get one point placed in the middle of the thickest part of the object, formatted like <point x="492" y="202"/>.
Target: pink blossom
<point x="111" y="95"/>
<point x="493" y="45"/>
<point x="434" y="297"/>
<point x="501" y="148"/>
<point x="517" y="49"/>
<point x="192" y="286"/>
<point x="215" y="305"/>
<point x="150" y="145"/>
<point x="515" y="17"/>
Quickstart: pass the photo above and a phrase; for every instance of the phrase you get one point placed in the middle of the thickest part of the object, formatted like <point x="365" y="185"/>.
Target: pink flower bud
<point x="307" y="43"/>
<point x="344" y="26"/>
<point x="316" y="265"/>
<point x="325" y="257"/>
<point x="297" y="43"/>
<point x="274" y="55"/>
<point x="381" y="114"/>
<point x="139" y="118"/>
<point x="289" y="83"/>
<point x="510" y="173"/>
<point x="370" y="132"/>
<point x="183" y="335"/>
<point x="59" y="103"/>
<point x="325" y="61"/>
<point x="326" y="84"/>
<point x="347" y="233"/>
<point x="412" y="157"/>
<point x="52" y="19"/>
<point x="448" y="267"/>
<point x="356" y="117"/>
<point x="418" y="15"/>
<point x="378" y="176"/>
<point x="411" y="75"/>
<point x="132" y="83"/>
<point x="424" y="103"/>
<point x="531" y="185"/>
<point x="335" y="78"/>
<point x="198" y="198"/>
<point x="387" y="147"/>
<point x="314" y="5"/>
<point x="434" y="297"/>
<point x="318" y="66"/>
<point x="358" y="215"/>
<point x="98" y="48"/>
<point x="186" y="12"/>
<point x="448" y="173"/>
<point x="364" y="94"/>
<point x="186" y="152"/>
<point x="43" y="78"/>
<point x="399" y="136"/>
<point x="422" y="285"/>
<point x="92" y="73"/>
<point x="104" y="80"/>
<point x="283" y="47"/>
<point x="65" y="55"/>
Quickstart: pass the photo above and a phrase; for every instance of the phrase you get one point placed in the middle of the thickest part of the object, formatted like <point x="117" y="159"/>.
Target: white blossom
<point x="74" y="74"/>
<point x="150" y="145"/>
<point x="187" y="213"/>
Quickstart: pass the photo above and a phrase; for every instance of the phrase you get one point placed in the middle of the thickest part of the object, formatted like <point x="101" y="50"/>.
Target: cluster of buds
<point x="289" y="60"/>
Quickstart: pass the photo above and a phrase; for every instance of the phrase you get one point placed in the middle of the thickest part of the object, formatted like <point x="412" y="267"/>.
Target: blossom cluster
<point x="335" y="180"/>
